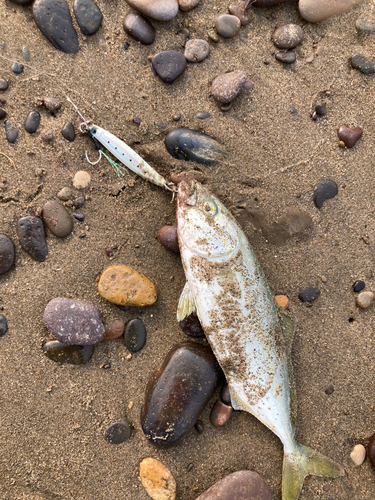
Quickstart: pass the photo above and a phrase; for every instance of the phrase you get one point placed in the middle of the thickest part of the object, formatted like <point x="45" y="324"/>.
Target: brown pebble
<point x="371" y="450"/>
<point x="329" y="389"/>
<point x="52" y="104"/>
<point x="220" y="414"/>
<point x="168" y="238"/>
<point x="225" y="87"/>
<point x="115" y="331"/>
<point x="282" y="301"/>
<point x="349" y="135"/>
<point x="240" y="10"/>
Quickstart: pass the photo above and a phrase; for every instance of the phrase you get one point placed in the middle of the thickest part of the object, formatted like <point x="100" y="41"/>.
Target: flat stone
<point x="157" y="480"/>
<point x="186" y="144"/>
<point x="32" y="122"/>
<point x="226" y="87"/>
<point x="68" y="132"/>
<point x="17" y="68"/>
<point x="325" y="190"/>
<point x="288" y="57"/>
<point x="365" y="299"/>
<point x="81" y="180"/>
<point x="160" y="10"/>
<point x="365" y="27"/>
<point x="124" y="286"/>
<point x="191" y="326"/>
<point x="139" y="28"/>
<point x="3" y="325"/>
<point x="117" y="433"/>
<point x="52" y="104"/>
<point x="358" y="454"/>
<point x="288" y="36"/>
<point x="75" y="322"/>
<point x="88" y="15"/>
<point x="309" y="294"/>
<point x="227" y="25"/>
<point x="71" y="354"/>
<point x="371" y="450"/>
<point x="32" y="238"/>
<point x="315" y="11"/>
<point x="349" y="135"/>
<point x="358" y="286"/>
<point x="186" y="5"/>
<point x="243" y="11"/>
<point x="203" y="115"/>
<point x="220" y="414"/>
<point x="115" y="331"/>
<point x="55" y="22"/>
<point x="57" y="219"/>
<point x="241" y="485"/>
<point x="6" y="253"/>
<point x="135" y="335"/>
<point x="196" y="50"/>
<point x="168" y="238"/>
<point x="3" y="84"/>
<point x="169" y="65"/>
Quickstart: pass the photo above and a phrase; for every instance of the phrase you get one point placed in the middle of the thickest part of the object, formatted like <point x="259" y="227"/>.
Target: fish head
<point x="204" y="225"/>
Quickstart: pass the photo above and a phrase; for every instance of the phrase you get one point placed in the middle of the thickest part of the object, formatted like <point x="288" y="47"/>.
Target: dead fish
<point x="249" y="335"/>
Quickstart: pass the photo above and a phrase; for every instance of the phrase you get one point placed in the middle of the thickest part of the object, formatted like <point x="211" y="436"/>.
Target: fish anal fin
<point x="186" y="304"/>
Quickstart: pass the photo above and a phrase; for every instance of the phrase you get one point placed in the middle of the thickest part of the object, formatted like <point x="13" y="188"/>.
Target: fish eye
<point x="209" y="207"/>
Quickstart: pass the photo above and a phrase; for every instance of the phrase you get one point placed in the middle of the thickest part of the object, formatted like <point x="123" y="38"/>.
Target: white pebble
<point x="365" y="299"/>
<point x="358" y="454"/>
<point x="81" y="180"/>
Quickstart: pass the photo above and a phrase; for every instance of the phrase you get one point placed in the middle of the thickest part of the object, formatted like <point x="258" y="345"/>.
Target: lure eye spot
<point x="93" y="131"/>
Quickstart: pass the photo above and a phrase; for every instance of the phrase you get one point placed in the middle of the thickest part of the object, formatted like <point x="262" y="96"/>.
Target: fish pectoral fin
<point x="186" y="304"/>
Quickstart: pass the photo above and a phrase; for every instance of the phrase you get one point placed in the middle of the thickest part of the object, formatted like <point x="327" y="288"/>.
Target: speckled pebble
<point x="288" y="36"/>
<point x="32" y="238"/>
<point x="17" y="68"/>
<point x="227" y="25"/>
<point x="157" y="480"/>
<point x="169" y="65"/>
<point x="358" y="454"/>
<point x="365" y="27"/>
<point x="117" y="433"/>
<point x="32" y="122"/>
<point x="135" y="335"/>
<point x="349" y="135"/>
<point x="325" y="190"/>
<point x="68" y="132"/>
<point x="139" y="28"/>
<point x="196" y="50"/>
<point x="309" y="294"/>
<point x="7" y="253"/>
<point x="3" y="325"/>
<point x="57" y="219"/>
<point x="365" y="299"/>
<point x="227" y="86"/>
<point x="115" y="330"/>
<point x="288" y="57"/>
<point x="160" y="10"/>
<point x="81" y="180"/>
<point x="243" y="11"/>
<point x="168" y="238"/>
<point x="363" y="64"/>
<point x="88" y="15"/>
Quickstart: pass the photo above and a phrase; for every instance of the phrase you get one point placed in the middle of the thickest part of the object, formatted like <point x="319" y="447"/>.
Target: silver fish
<point x="249" y="335"/>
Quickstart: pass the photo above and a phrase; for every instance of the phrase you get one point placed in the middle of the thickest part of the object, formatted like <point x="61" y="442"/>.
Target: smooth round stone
<point x="157" y="480"/>
<point x="358" y="454"/>
<point x="365" y="27"/>
<point x="191" y="326"/>
<point x="225" y="395"/>
<point x="55" y="22"/>
<point x="3" y="325"/>
<point x="71" y="354"/>
<point x="32" y="122"/>
<point x="68" y="132"/>
<point x="186" y="144"/>
<point x="168" y="238"/>
<point x="309" y="294"/>
<point x="169" y="65"/>
<point x="220" y="414"/>
<point x="329" y="390"/>
<point x="32" y="238"/>
<point x="17" y="68"/>
<point x="139" y="28"/>
<point x="241" y="485"/>
<point x="135" y="335"/>
<point x="227" y="25"/>
<point x="3" y="84"/>
<point x="52" y="104"/>
<point x="160" y="10"/>
<point x="88" y="15"/>
<point x="326" y="190"/>
<point x="371" y="450"/>
<point x="64" y="194"/>
<point x="196" y="50"/>
<point x="81" y="180"/>
<point x="282" y="301"/>
<point x="358" y="286"/>
<point x="288" y="57"/>
<point x="57" y="219"/>
<point x="204" y="115"/>
<point x="75" y="322"/>
<point x="363" y="64"/>
<point x="199" y="427"/>
<point x="288" y="36"/>
<point x="6" y="253"/>
<point x="186" y="5"/>
<point x="365" y="299"/>
<point x="226" y="87"/>
<point x="124" y="286"/>
<point x="26" y="53"/>
<point x="115" y="331"/>
<point x="243" y="11"/>
<point x="79" y="217"/>
<point x="263" y="4"/>
<point x="117" y="433"/>
<point x="177" y="392"/>
<point x="349" y="135"/>
<point x="315" y="11"/>
<point x="11" y="134"/>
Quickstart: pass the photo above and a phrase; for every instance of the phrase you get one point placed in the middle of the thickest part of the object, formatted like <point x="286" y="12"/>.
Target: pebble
<point x="363" y="64"/>
<point x="32" y="238"/>
<point x="227" y="25"/>
<point x="160" y="10"/>
<point x="199" y="427"/>
<point x="11" y="134"/>
<point x="139" y="28"/>
<point x="220" y="414"/>
<point x="88" y="15"/>
<point x="321" y="109"/>
<point x="3" y="84"/>
<point x="329" y="390"/>
<point x="64" y="194"/>
<point x="135" y="335"/>
<point x="241" y="485"/>
<point x="157" y="480"/>
<point x="196" y="50"/>
<point x="68" y="132"/>
<point x="21" y="2"/>
<point x="115" y="331"/>
<point x="57" y="219"/>
<point x="326" y="190"/>
<point x="117" y="433"/>
<point x="124" y="286"/>
<point x="26" y="53"/>
<point x="288" y="57"/>
<point x="186" y="144"/>
<point x="309" y="294"/>
<point x="187" y="176"/>
<point x="358" y="286"/>
<point x="267" y="3"/>
<point x="169" y="65"/>
<point x="75" y="322"/>
<point x="365" y="27"/>
<point x="186" y="5"/>
<point x="79" y="202"/>
<point x="3" y="325"/>
<point x="225" y="394"/>
<point x="365" y="299"/>
<point x="371" y="450"/>
<point x="81" y="180"/>
<point x="17" y="68"/>
<point x="242" y="11"/>
<point x="349" y="135"/>
<point x="213" y="36"/>
<point x="227" y="86"/>
<point x="191" y="326"/>
<point x="6" y="253"/>
<point x="358" y="454"/>
<point x="55" y="22"/>
<point x="2" y="114"/>
<point x="168" y="238"/>
<point x="203" y="115"/>
<point x="79" y="217"/>
<point x="288" y="36"/>
<point x="315" y="11"/>
<point x="71" y="354"/>
<point x="52" y="104"/>
<point x="32" y="122"/>
<point x="282" y="301"/>
<point x="177" y="392"/>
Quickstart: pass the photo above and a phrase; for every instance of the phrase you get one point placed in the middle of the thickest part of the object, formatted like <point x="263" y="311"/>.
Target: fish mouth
<point x="187" y="193"/>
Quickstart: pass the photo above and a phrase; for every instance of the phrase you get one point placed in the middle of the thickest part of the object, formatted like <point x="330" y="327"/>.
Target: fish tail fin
<point x="304" y="462"/>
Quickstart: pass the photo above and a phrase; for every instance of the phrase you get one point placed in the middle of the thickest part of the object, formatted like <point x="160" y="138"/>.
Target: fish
<point x="249" y="335"/>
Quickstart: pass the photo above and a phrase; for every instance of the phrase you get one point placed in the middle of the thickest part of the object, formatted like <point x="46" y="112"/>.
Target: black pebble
<point x="321" y="109"/>
<point x="72" y="354"/>
<point x="79" y="202"/>
<point x="363" y="64"/>
<point x="288" y="57"/>
<point x="358" y="286"/>
<point x="3" y="84"/>
<point x="126" y="46"/>
<point x="68" y="132"/>
<point x="3" y="325"/>
<point x="169" y="65"/>
<point x="79" y="217"/>
<point x="309" y="294"/>
<point x="88" y="15"/>
<point x="191" y="326"/>
<point x="32" y="238"/>
<point x="139" y="28"/>
<point x="32" y="122"/>
<point x="2" y="114"/>
<point x="187" y="144"/>
<point x="225" y="395"/>
<point x="199" y="426"/>
<point x="6" y="253"/>
<point x="326" y="190"/>
<point x="135" y="335"/>
<point x="17" y="68"/>
<point x="117" y="433"/>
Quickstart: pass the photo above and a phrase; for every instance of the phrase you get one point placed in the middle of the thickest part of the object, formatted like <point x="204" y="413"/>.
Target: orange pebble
<point x="282" y="301"/>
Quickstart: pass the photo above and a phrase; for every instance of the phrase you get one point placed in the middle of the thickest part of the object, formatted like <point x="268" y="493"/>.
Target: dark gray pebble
<point x="32" y="238"/>
<point x="117" y="433"/>
<point x="57" y="219"/>
<point x="71" y="354"/>
<point x="288" y="57"/>
<point x="288" y="36"/>
<point x="168" y="238"/>
<point x="139" y="28"/>
<point x="365" y="27"/>
<point x="79" y="217"/>
<point x="227" y="25"/>
<point x="32" y="122"/>
<point x="88" y="15"/>
<point x="135" y="335"/>
<point x="363" y="64"/>
<point x="187" y="144"/>
<point x="55" y="22"/>
<point x="204" y="115"/>
<point x="17" y="68"/>
<point x="326" y="190"/>
<point x="6" y="253"/>
<point x="329" y="389"/>
<point x="79" y="202"/>
<point x="11" y="134"/>
<point x="2" y="114"/>
<point x="225" y="394"/>
<point x="169" y="65"/>
<point x="191" y="326"/>
<point x="3" y="84"/>
<point x="309" y="294"/>
<point x="3" y="325"/>
<point x="321" y="109"/>
<point x="68" y="132"/>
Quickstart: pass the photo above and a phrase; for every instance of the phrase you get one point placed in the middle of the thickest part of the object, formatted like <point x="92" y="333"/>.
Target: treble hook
<point x="94" y="163"/>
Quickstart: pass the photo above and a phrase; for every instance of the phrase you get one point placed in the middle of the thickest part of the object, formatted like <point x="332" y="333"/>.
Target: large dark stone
<point x="169" y="65"/>
<point x="6" y="253"/>
<point x="325" y="190"/>
<point x="64" y="353"/>
<point x="186" y="144"/>
<point x="177" y="392"/>
<point x="135" y="335"/>
<point x="32" y="238"/>
<point x="241" y="485"/>
<point x="139" y="28"/>
<point x="88" y="15"/>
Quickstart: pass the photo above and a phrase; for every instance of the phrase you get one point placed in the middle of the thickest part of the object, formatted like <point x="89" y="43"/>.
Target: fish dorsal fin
<point x="186" y="304"/>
